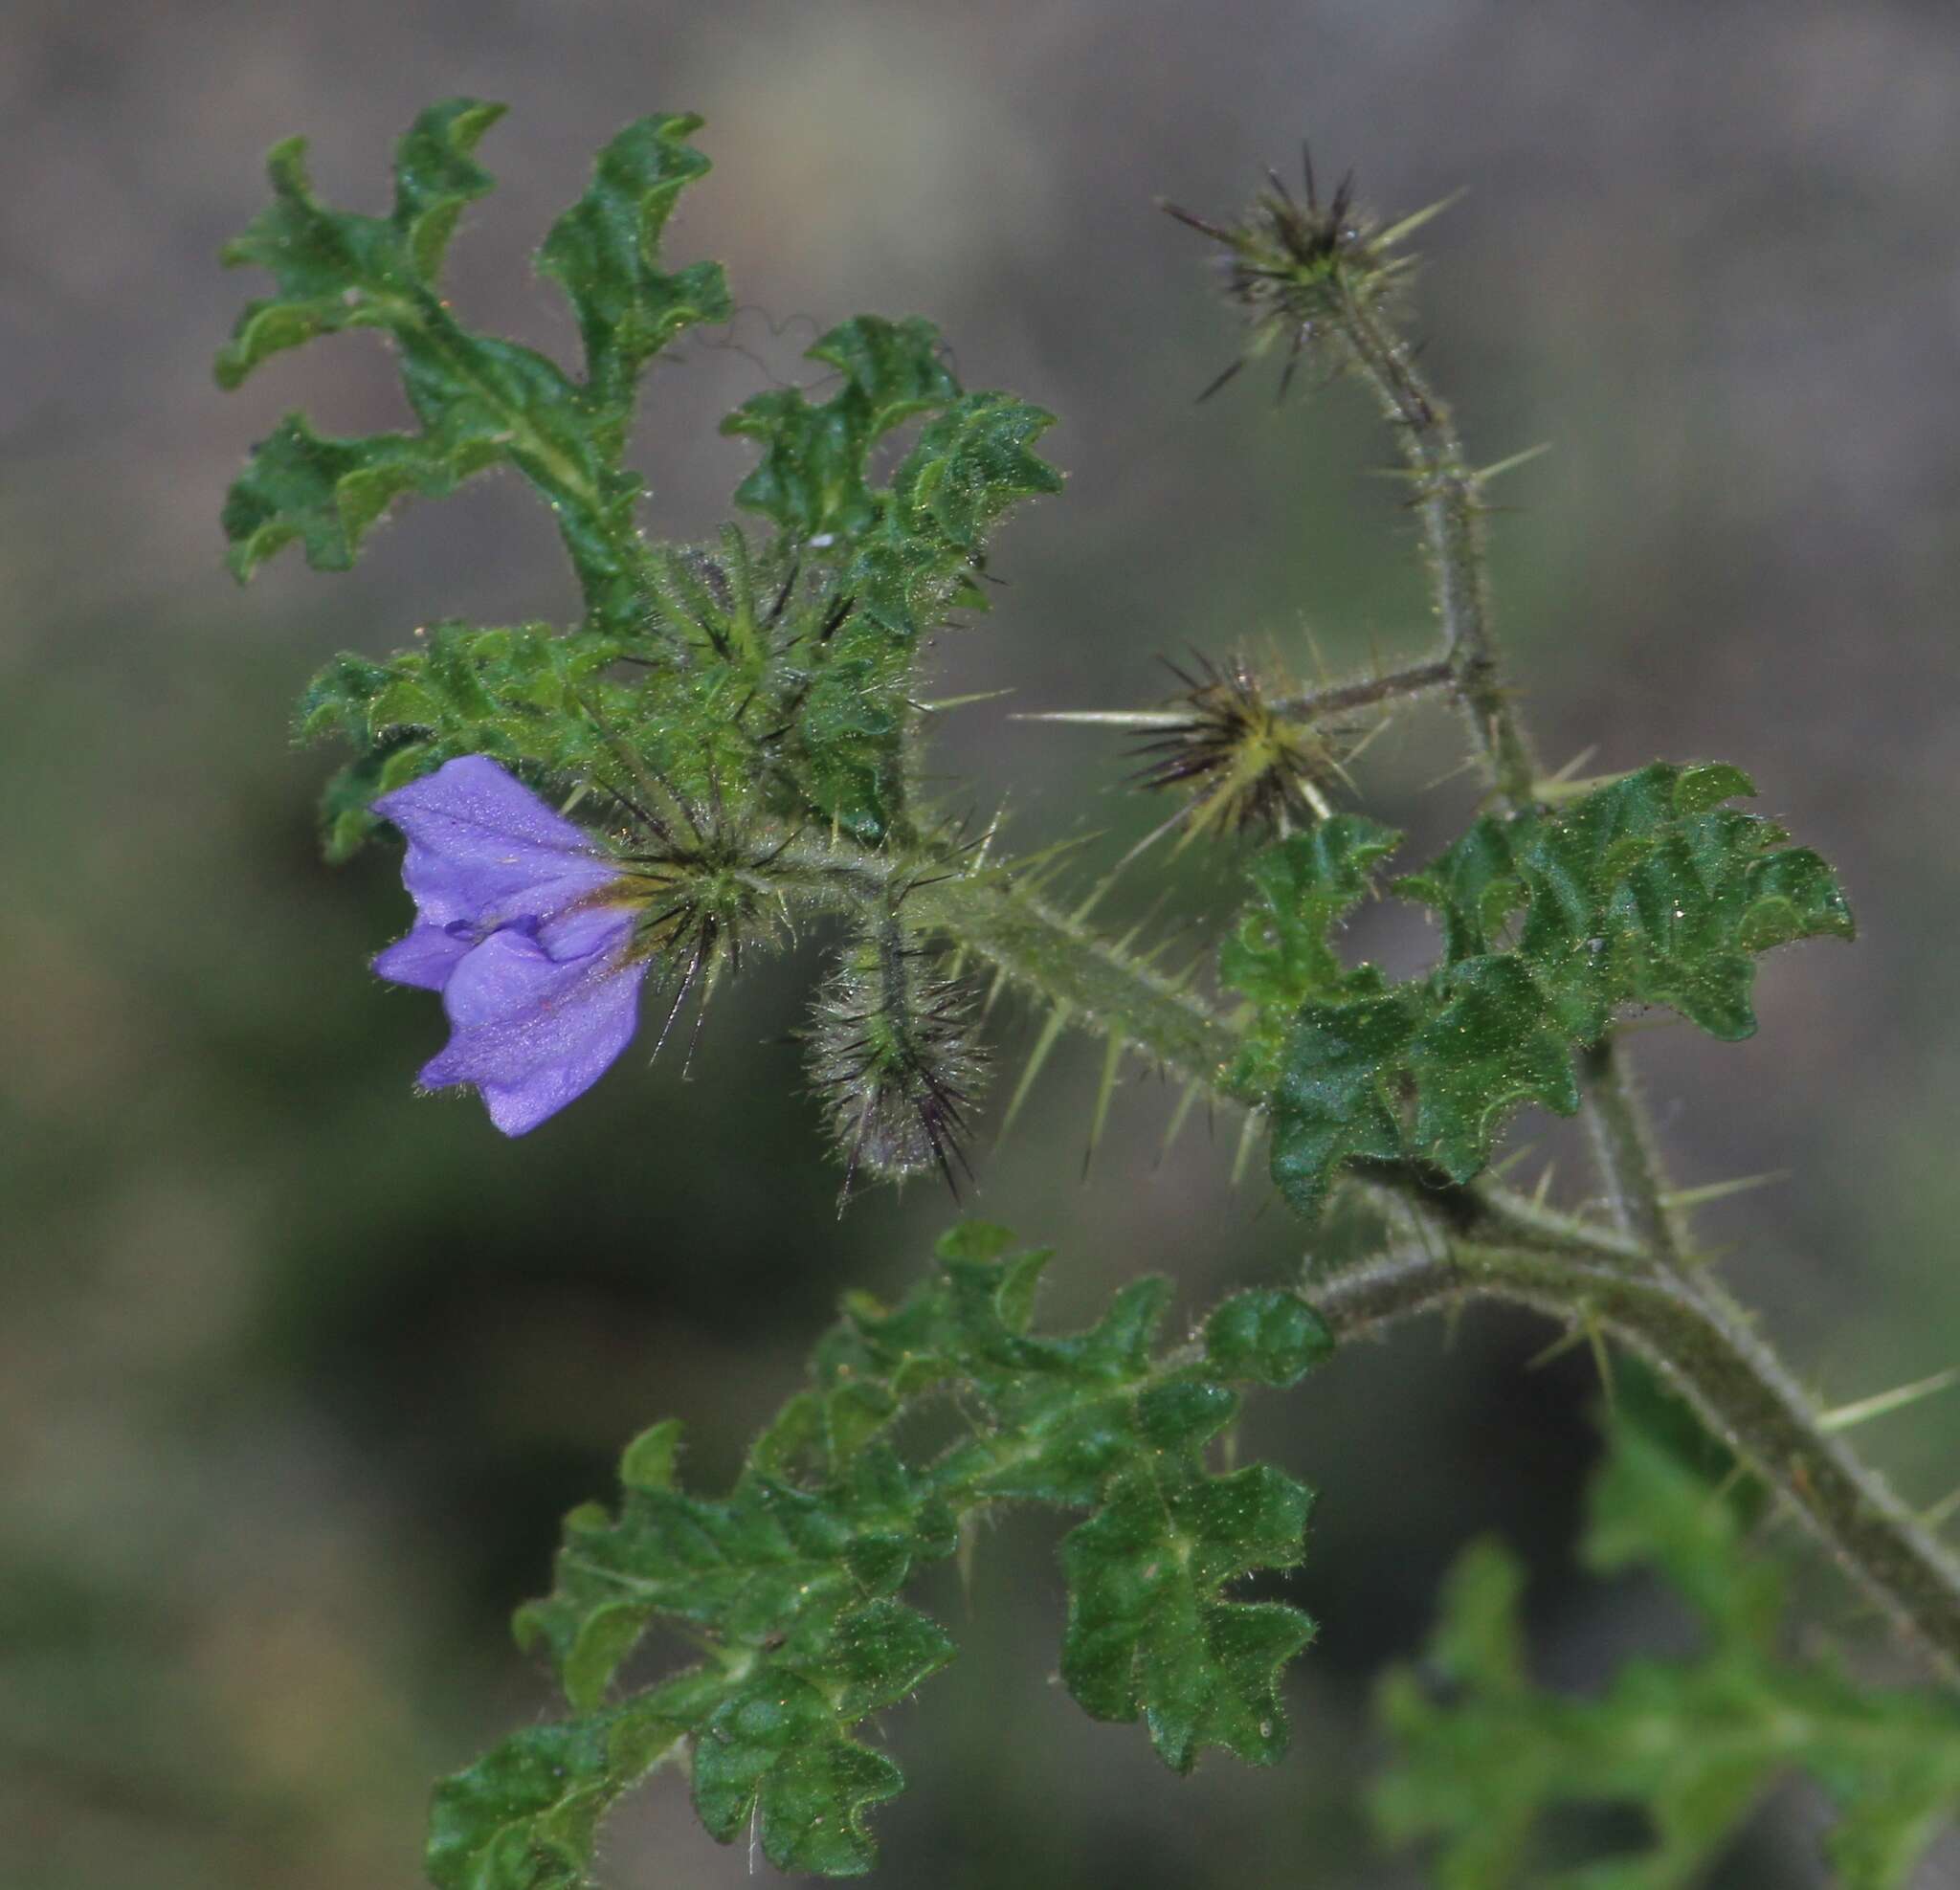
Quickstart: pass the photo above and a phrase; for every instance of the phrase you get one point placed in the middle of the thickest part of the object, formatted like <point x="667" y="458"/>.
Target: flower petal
<point x="533" y="1032"/>
<point x="425" y="957"/>
<point x="584" y="930"/>
<point x="483" y="847"/>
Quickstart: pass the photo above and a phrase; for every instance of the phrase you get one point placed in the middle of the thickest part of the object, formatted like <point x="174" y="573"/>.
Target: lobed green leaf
<point x="1277" y="953"/>
<point x="605" y="251"/>
<point x="1148" y="1634"/>
<point x="1692" y="1743"/>
<point x="814" y="477"/>
<point x="901" y="555"/>
<point x="481" y="401"/>
<point x="1647" y="891"/>
<point x="791" y="1583"/>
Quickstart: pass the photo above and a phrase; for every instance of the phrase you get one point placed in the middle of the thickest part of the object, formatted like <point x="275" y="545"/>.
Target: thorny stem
<point x="1680" y="1320"/>
<point x="995" y="914"/>
<point x="1452" y="529"/>
<point x="1452" y="518"/>
<point x="999" y="918"/>
<point x="1417" y="680"/>
<point x="1623" y="1152"/>
<point x="1016" y="930"/>
<point x="1450" y="513"/>
<point x="1740" y="1389"/>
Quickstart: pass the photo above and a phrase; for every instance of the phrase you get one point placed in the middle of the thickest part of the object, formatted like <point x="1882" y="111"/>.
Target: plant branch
<point x="1738" y="1387"/>
<point x="1016" y="929"/>
<point x="1452" y="527"/>
<point x="1416" y="679"/>
<point x="995" y="914"/>
<point x="1451" y="507"/>
<point x="1640" y="1290"/>
<point x="1623" y="1152"/>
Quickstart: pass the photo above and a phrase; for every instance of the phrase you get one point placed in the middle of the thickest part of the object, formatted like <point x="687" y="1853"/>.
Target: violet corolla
<point x="527" y="927"/>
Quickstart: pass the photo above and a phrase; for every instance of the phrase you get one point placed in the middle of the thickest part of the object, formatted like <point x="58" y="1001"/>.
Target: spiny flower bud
<point x="708" y="886"/>
<point x="1250" y="767"/>
<point x="894" y="1057"/>
<point x="1299" y="269"/>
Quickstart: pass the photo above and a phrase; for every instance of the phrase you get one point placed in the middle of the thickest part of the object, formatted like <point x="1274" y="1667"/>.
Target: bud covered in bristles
<point x="707" y="887"/>
<point x="894" y="1055"/>
<point x="1250" y="767"/>
<point x="1300" y="266"/>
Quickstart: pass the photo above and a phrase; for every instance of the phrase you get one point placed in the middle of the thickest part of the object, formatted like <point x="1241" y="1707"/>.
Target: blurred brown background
<point x="296" y="1372"/>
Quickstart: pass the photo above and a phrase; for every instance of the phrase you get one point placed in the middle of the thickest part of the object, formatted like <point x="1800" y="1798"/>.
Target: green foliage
<point x="524" y="694"/>
<point x="1645" y="891"/>
<point x="779" y="678"/>
<point x="903" y="554"/>
<point x="481" y="401"/>
<point x="1691" y="1744"/>
<point x="759" y="689"/>
<point x="790" y="1584"/>
<point x="1278" y="954"/>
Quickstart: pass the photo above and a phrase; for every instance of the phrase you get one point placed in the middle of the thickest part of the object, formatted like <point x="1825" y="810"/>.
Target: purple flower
<point x="526" y="930"/>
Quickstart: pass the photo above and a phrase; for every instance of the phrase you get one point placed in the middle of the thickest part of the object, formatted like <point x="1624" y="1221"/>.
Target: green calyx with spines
<point x="790" y="1583"/>
<point x="1646" y="891"/>
<point x="777" y="677"/>
<point x="1482" y="1754"/>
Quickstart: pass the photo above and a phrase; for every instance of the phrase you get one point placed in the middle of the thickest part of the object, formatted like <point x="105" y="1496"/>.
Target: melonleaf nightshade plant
<point x="728" y="742"/>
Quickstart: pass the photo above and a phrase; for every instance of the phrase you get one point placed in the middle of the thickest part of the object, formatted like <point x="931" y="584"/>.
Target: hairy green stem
<point x="1682" y="1321"/>
<point x="1452" y="528"/>
<point x="1738" y="1387"/>
<point x="1623" y="1152"/>
<point x="1451" y="514"/>
<point x="1451" y="509"/>
<point x="1059" y="956"/>
<point x="1416" y="679"/>
<point x="994" y="914"/>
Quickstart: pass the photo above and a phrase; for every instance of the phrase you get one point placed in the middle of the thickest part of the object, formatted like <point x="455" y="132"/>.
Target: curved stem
<point x="1734" y="1381"/>
<point x="1637" y="1284"/>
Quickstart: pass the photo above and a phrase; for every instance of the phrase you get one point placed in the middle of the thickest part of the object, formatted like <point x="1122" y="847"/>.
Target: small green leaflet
<point x="791" y="1583"/>
<point x="905" y="554"/>
<point x="1278" y="954"/>
<point x="522" y="694"/>
<point x="813" y="475"/>
<point x="1694" y="1742"/>
<point x="1647" y="891"/>
<point x="481" y="401"/>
